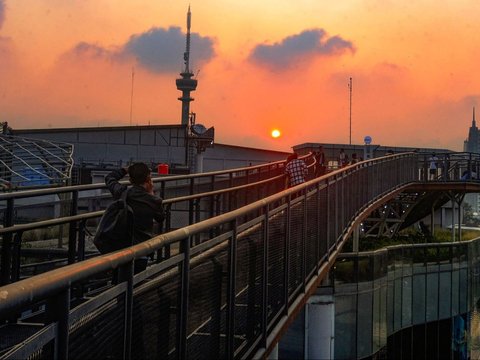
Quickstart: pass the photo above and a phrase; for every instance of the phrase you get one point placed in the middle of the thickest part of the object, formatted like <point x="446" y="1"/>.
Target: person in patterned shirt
<point x="296" y="170"/>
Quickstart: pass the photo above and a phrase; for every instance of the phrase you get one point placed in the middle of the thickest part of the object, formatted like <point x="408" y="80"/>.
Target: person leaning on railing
<point x="296" y="171"/>
<point x="146" y="206"/>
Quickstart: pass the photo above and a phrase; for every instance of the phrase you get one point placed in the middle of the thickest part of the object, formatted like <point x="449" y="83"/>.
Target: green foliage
<point x="409" y="236"/>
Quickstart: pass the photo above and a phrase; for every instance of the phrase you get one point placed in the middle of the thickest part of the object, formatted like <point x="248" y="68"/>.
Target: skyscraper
<point x="472" y="143"/>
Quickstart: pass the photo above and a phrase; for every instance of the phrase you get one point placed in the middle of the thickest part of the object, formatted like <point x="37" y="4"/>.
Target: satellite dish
<point x="198" y="129"/>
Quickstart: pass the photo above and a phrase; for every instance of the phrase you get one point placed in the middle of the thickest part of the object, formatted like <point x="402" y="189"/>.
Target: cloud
<point x="2" y="12"/>
<point x="309" y="42"/>
<point x="157" y="50"/>
<point x="86" y="50"/>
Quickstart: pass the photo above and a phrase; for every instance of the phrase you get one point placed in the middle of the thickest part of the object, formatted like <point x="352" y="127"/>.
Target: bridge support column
<point x="199" y="162"/>
<point x="320" y="327"/>
<point x="356" y="238"/>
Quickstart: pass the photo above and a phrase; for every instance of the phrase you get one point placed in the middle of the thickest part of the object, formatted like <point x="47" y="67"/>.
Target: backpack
<point x="115" y="229"/>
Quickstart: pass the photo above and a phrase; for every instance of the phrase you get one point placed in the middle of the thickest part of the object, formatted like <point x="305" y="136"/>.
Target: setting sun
<point x="276" y="133"/>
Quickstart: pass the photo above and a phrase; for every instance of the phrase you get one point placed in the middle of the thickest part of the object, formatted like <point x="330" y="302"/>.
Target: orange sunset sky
<point x="260" y="65"/>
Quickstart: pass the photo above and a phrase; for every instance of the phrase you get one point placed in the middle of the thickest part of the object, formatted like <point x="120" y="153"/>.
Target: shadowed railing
<point x="189" y="199"/>
<point x="228" y="296"/>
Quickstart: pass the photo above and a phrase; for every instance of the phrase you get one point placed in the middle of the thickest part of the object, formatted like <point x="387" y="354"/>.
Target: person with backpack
<point x="145" y="205"/>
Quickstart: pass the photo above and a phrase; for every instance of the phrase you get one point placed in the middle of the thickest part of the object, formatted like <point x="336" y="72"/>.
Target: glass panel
<point x="364" y="335"/>
<point x="397" y="311"/>
<point x="445" y="257"/>
<point x="383" y="316"/>
<point x="418" y="302"/>
<point x="376" y="325"/>
<point x="390" y="306"/>
<point x="432" y="297"/>
<point x="365" y="273"/>
<point x="418" y="258"/>
<point x="455" y="292"/>
<point x="407" y="259"/>
<point x="432" y="259"/>
<point x="345" y="271"/>
<point x="407" y="302"/>
<point x="345" y="326"/>
<point x="463" y="291"/>
<point x="445" y="295"/>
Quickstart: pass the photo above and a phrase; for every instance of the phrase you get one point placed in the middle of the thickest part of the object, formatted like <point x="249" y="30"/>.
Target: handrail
<point x="168" y="178"/>
<point x="95" y="214"/>
<point x="13" y="296"/>
<point x="336" y="197"/>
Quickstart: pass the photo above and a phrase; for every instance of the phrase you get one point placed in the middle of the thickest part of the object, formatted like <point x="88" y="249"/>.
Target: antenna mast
<point x="350" y="116"/>
<point x="186" y="84"/>
<point x="186" y="55"/>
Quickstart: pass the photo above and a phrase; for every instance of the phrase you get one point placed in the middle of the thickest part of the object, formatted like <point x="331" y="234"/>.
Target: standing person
<point x="342" y="158"/>
<point x="320" y="168"/>
<point x="140" y="197"/>
<point x="433" y="166"/>
<point x="296" y="170"/>
<point x="354" y="159"/>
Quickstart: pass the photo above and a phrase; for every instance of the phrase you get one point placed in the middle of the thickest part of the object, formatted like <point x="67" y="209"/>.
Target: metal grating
<point x="33" y="163"/>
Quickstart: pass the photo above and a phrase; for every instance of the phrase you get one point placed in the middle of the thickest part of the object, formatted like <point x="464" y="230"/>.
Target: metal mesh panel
<point x="206" y="321"/>
<point x="12" y="334"/>
<point x="276" y="263"/>
<point x="296" y="261"/>
<point x="332" y="229"/>
<point x="311" y="244"/>
<point x="155" y="314"/>
<point x="99" y="333"/>
<point x="248" y="287"/>
<point x="322" y="236"/>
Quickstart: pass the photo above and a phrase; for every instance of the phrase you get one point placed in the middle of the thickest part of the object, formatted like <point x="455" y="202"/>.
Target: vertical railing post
<point x="286" y="254"/>
<point x="264" y="320"/>
<point x="318" y="237"/>
<point x="81" y="240"/>
<point x="16" y="252"/>
<point x="162" y="189"/>
<point x="6" y="263"/>
<point x="183" y="299"/>
<point x="304" y="240"/>
<point x="336" y="210"/>
<point x="72" y="229"/>
<point x="232" y="270"/>
<point x="57" y="310"/>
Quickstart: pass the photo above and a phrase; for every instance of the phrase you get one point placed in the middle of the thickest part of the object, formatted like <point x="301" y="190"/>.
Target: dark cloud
<point x="2" y="12"/>
<point x="308" y="42"/>
<point x="157" y="50"/>
<point x="84" y="49"/>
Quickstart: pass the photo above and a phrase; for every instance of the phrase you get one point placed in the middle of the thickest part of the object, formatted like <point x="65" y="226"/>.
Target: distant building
<point x="472" y="143"/>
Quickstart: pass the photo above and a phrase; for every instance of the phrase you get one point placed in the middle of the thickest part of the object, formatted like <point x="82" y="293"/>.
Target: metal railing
<point x="191" y="198"/>
<point x="228" y="296"/>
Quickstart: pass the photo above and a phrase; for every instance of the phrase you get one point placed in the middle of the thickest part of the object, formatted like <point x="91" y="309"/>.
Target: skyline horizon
<point x="68" y="65"/>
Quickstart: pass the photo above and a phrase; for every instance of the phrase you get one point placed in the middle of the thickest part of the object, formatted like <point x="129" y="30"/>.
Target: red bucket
<point x="162" y="169"/>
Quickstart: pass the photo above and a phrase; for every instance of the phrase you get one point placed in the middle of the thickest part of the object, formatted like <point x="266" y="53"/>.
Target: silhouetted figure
<point x="342" y="158"/>
<point x="296" y="170"/>
<point x="145" y="205"/>
<point x="354" y="159"/>
<point x="433" y="166"/>
<point x="320" y="165"/>
<point x="425" y="230"/>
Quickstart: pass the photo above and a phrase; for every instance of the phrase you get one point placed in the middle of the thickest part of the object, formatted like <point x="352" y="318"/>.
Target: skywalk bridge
<point x="238" y="260"/>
